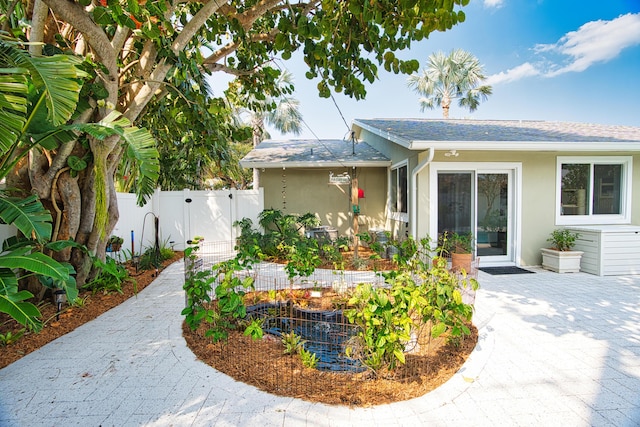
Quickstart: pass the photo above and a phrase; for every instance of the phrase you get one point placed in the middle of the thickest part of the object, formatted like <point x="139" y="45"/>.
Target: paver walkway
<point x="554" y="350"/>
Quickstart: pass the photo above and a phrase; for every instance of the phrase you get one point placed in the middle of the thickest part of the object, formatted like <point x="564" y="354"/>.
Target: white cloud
<point x="513" y="74"/>
<point x="595" y="41"/>
<point x="493" y="3"/>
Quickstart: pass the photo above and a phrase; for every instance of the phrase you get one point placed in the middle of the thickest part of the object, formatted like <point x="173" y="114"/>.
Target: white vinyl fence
<point x="181" y="216"/>
<point x="185" y="214"/>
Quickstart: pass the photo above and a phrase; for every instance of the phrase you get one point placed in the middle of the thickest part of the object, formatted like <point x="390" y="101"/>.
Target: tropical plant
<point x="130" y="49"/>
<point x="292" y="343"/>
<point x="110" y="278"/>
<point x="37" y="95"/>
<point x="10" y="337"/>
<point x="40" y="96"/>
<point x="117" y="240"/>
<point x="308" y="358"/>
<point x="416" y="295"/>
<point x="198" y="284"/>
<point x="563" y="239"/>
<point x="455" y="243"/>
<point x="457" y="75"/>
<point x="280" y="111"/>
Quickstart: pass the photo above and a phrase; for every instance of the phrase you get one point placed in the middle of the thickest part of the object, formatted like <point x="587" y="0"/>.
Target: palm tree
<point x="280" y="111"/>
<point x="446" y="77"/>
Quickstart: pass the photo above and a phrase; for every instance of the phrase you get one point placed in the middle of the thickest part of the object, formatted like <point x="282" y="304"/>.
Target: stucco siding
<point x="538" y="192"/>
<point x="308" y="190"/>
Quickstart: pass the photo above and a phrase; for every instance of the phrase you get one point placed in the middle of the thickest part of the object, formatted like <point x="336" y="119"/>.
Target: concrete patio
<point x="554" y="349"/>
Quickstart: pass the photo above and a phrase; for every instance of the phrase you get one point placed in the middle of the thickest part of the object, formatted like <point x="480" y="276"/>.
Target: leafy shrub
<point x="197" y="286"/>
<point x="110" y="278"/>
<point x="417" y="295"/>
<point x="563" y="239"/>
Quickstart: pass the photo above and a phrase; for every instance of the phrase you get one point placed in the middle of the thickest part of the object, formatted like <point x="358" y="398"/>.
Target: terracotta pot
<point x="461" y="261"/>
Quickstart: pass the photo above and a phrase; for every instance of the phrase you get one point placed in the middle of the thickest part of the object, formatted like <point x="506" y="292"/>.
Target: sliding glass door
<point x="480" y="202"/>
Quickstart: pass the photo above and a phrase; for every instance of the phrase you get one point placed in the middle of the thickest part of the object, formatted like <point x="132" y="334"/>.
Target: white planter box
<point x="609" y="250"/>
<point x="561" y="261"/>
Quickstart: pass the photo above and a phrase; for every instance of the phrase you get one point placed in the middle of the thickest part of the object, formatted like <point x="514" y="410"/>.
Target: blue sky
<point x="556" y="60"/>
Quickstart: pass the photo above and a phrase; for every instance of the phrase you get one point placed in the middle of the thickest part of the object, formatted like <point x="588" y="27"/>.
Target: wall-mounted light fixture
<point x="451" y="153"/>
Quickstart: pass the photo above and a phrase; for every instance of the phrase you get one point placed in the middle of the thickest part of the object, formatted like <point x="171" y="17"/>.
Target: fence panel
<point x="185" y="214"/>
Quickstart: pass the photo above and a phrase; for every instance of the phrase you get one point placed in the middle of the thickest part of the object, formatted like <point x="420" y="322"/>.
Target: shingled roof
<point x="500" y="134"/>
<point x="313" y="153"/>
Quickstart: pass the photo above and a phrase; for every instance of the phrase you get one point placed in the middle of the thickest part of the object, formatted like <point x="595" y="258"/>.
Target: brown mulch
<point x="263" y="364"/>
<point x="72" y="317"/>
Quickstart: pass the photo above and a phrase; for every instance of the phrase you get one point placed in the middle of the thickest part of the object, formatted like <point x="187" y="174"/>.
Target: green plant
<point x="331" y="252"/>
<point x="461" y="243"/>
<point x="110" y="278"/>
<point x="149" y="259"/>
<point x="196" y="240"/>
<point x="458" y="243"/>
<point x="342" y="243"/>
<point x="302" y="258"/>
<point x="115" y="240"/>
<point x="417" y="294"/>
<point x="563" y="239"/>
<point x="384" y="327"/>
<point x="292" y="343"/>
<point x="9" y="337"/>
<point x="309" y="359"/>
<point x="230" y="308"/>
<point x="254" y="329"/>
<point x="80" y="302"/>
<point x="197" y="285"/>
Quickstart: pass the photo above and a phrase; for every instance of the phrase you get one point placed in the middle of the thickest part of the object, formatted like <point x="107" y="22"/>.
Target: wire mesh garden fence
<point x="340" y="324"/>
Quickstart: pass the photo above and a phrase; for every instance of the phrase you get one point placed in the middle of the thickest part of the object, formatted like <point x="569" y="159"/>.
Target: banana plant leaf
<point x="28" y="215"/>
<point x="15" y="303"/>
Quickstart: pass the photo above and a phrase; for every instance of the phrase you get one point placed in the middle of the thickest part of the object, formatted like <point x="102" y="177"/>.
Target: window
<point x="398" y="194"/>
<point x="594" y="190"/>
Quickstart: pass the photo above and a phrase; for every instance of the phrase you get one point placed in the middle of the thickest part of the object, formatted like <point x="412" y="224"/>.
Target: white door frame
<point x="515" y="219"/>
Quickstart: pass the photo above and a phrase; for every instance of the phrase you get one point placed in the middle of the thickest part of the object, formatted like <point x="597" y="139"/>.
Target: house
<point x="510" y="183"/>
<point x="301" y="176"/>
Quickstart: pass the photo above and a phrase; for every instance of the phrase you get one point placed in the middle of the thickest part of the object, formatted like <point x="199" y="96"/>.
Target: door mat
<point x="497" y="271"/>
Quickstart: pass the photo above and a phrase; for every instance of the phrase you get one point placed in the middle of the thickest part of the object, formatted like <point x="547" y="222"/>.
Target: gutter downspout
<point x="414" y="191"/>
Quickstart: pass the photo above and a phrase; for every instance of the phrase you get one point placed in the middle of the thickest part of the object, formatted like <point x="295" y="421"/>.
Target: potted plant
<point x="461" y="249"/>
<point x="560" y="257"/>
<point x="114" y="244"/>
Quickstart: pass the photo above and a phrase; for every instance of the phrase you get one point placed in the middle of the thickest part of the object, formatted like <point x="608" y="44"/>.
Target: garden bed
<point x="262" y="364"/>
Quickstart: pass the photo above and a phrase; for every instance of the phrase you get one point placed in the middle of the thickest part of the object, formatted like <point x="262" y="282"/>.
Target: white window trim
<point x="392" y="214"/>
<point x="515" y="221"/>
<point x="627" y="174"/>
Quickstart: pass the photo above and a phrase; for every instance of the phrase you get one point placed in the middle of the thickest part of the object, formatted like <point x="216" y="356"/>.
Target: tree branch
<point x="38" y="19"/>
<point x="75" y="15"/>
<point x="233" y="46"/>
<point x="194" y="25"/>
<point x="119" y="38"/>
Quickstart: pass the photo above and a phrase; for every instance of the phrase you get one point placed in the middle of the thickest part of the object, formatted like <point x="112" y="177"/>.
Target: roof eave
<point x="384" y="134"/>
<point x="524" y="146"/>
<point x="307" y="164"/>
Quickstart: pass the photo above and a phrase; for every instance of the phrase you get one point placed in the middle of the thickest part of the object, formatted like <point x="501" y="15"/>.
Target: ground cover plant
<point x="410" y="335"/>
